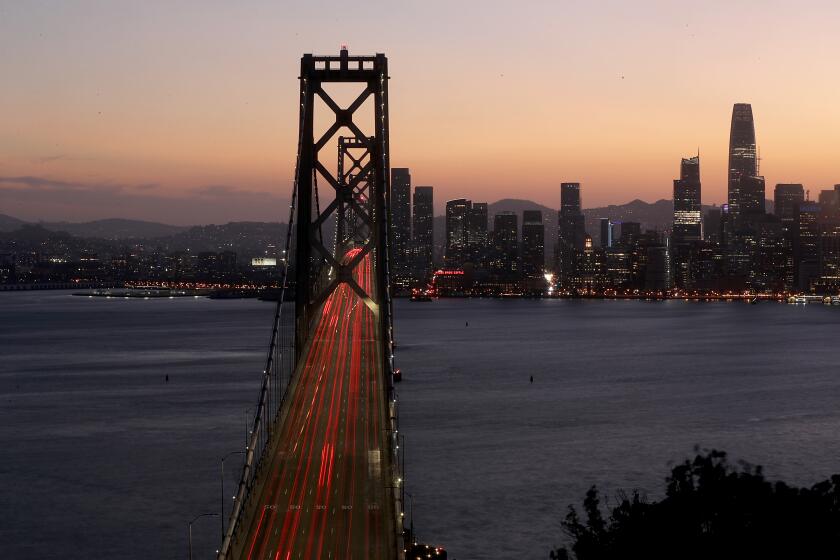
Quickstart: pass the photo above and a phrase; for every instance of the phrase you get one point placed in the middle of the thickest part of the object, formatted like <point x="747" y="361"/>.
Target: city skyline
<point x="171" y="124"/>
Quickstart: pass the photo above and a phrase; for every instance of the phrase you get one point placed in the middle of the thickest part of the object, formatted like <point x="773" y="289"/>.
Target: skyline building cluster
<point x="478" y="249"/>
<point x="412" y="230"/>
<point x="743" y="247"/>
<point x="737" y="247"/>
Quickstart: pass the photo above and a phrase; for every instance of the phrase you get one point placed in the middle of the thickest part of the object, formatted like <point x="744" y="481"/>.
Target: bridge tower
<point x="337" y="247"/>
<point x="362" y="193"/>
<point x="353" y="169"/>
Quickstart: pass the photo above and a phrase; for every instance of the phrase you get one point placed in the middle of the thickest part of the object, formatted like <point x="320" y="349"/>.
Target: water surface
<point x="102" y="458"/>
<point x="620" y="389"/>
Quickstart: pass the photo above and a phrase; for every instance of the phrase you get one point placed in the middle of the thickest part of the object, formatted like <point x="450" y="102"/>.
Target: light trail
<point x="325" y="492"/>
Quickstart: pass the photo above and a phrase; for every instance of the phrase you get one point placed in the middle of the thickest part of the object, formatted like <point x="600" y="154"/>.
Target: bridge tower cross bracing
<point x="362" y="194"/>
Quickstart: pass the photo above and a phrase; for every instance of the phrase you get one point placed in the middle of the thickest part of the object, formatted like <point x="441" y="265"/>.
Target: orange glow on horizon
<point x="504" y="103"/>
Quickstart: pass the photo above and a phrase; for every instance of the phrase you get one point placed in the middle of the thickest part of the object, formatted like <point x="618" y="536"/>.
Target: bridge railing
<point x="280" y="366"/>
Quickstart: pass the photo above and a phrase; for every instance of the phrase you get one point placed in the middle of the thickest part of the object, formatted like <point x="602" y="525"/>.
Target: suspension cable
<point x="259" y="421"/>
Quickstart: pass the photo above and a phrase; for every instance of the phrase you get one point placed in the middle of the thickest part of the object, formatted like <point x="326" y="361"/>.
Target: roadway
<point x="325" y="492"/>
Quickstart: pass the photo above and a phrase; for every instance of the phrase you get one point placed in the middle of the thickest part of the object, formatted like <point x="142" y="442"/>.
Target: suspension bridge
<point x="322" y="475"/>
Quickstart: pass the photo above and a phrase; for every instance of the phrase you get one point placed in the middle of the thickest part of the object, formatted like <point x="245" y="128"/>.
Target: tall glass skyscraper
<point x="505" y="261"/>
<point x="533" y="244"/>
<point x="457" y="231"/>
<point x="423" y="240"/>
<point x="477" y="238"/>
<point x="606" y="233"/>
<point x="400" y="218"/>
<point x="571" y="231"/>
<point x="687" y="211"/>
<point x="742" y="154"/>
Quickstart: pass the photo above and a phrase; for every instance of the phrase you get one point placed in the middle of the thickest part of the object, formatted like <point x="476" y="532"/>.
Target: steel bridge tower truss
<point x="354" y="177"/>
<point x="360" y="208"/>
<point x="360" y="214"/>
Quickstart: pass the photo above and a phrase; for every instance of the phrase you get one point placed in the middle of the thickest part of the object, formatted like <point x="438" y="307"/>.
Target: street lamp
<point x="222" y="516"/>
<point x="401" y="437"/>
<point x="193" y="521"/>
<point x="411" y="513"/>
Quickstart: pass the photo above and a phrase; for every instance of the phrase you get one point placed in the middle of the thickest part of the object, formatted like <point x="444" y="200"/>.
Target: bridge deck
<point x="324" y="493"/>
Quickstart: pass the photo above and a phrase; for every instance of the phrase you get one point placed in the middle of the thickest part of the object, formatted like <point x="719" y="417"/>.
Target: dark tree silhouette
<point x="711" y="510"/>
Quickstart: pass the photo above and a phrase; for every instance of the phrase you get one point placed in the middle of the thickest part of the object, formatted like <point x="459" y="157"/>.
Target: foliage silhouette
<point x="711" y="510"/>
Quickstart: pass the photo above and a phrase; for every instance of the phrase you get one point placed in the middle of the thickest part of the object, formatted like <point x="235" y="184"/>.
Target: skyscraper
<point x="457" y="232"/>
<point x="571" y="224"/>
<point x="630" y="231"/>
<point x="687" y="230"/>
<point x="711" y="226"/>
<point x="786" y="200"/>
<point x="423" y="240"/>
<point x="590" y="272"/>
<point x="606" y="233"/>
<point x="505" y="259"/>
<point x="806" y="251"/>
<point x="400" y="222"/>
<point x="742" y="154"/>
<point x="571" y="231"/>
<point x="829" y="281"/>
<point x="533" y="244"/>
<point x="751" y="193"/>
<point x="477" y="233"/>
<point x="687" y="210"/>
<point x="829" y="200"/>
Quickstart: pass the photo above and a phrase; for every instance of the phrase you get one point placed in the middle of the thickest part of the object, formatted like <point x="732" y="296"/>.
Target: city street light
<point x="193" y="521"/>
<point x="222" y="516"/>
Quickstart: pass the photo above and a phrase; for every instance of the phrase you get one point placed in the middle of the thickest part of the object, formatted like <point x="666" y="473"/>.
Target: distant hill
<point x="651" y="215"/>
<point x="247" y="239"/>
<point x="516" y="205"/>
<point x="112" y="236"/>
<point x="33" y="238"/>
<point x="115" y="228"/>
<point x="8" y="223"/>
<point x="251" y="238"/>
<point x="112" y="229"/>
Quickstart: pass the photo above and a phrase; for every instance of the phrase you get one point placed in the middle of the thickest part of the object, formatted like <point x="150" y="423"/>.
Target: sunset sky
<point x="186" y="112"/>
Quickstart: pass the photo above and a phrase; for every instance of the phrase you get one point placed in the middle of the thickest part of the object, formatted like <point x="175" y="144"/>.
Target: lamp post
<point x="411" y="514"/>
<point x="222" y="478"/>
<point x="193" y="521"/>
<point x="402" y="469"/>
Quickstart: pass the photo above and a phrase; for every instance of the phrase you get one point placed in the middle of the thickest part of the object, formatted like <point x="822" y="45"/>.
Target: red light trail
<point x="325" y="493"/>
